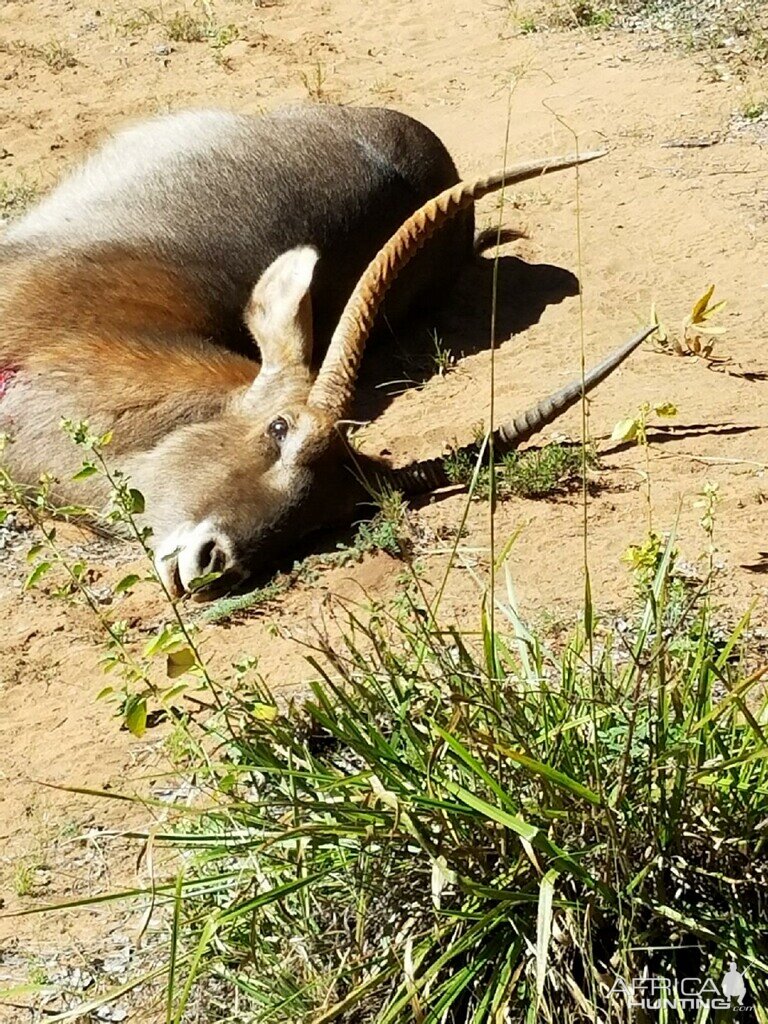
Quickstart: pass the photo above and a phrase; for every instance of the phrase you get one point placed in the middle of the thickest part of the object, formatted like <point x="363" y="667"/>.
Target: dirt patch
<point x="660" y="220"/>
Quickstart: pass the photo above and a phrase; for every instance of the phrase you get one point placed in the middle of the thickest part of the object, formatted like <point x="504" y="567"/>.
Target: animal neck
<point x="142" y="389"/>
<point x="84" y="289"/>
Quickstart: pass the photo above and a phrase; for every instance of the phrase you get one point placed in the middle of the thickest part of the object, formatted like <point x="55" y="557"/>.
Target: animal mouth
<point x="220" y="587"/>
<point x="207" y="589"/>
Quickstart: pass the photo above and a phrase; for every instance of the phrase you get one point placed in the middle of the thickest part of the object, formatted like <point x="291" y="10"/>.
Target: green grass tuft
<point x="183" y="27"/>
<point x="457" y="830"/>
<point x="536" y="473"/>
<point x="564" y="15"/>
<point x="754" y="108"/>
<point x="195" y="25"/>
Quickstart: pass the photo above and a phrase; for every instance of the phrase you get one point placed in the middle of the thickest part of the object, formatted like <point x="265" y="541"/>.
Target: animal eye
<point x="278" y="428"/>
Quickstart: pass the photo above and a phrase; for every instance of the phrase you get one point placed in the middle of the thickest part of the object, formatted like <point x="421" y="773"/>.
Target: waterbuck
<point x="204" y="287"/>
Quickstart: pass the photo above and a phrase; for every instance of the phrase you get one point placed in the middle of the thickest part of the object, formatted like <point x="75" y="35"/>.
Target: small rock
<point x="236" y="49"/>
<point x="111" y="1014"/>
<point x="117" y="963"/>
<point x="163" y="50"/>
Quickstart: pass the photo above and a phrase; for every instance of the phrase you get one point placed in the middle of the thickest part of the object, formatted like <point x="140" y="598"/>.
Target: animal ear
<point x="279" y="312"/>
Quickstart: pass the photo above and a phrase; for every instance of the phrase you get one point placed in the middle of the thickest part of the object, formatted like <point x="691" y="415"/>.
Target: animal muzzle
<point x="198" y="559"/>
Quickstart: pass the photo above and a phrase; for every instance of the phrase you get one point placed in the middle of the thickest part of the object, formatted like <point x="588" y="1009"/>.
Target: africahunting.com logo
<point x="659" y="992"/>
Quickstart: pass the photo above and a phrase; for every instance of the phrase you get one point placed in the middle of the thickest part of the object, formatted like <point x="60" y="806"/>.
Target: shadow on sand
<point x="406" y="356"/>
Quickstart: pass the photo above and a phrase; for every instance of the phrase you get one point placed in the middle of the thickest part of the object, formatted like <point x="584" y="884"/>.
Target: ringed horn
<point x="430" y="474"/>
<point x="334" y="387"/>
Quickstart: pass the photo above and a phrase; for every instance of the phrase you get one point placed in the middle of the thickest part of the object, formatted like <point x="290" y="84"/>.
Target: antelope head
<point x="241" y="487"/>
<point x="276" y="464"/>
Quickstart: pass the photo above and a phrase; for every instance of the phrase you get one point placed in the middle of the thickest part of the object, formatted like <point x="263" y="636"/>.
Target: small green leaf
<point x="106" y="692"/>
<point x="127" y="582"/>
<point x="711" y="310"/>
<point x="137" y="501"/>
<point x="180" y="662"/>
<point x="702" y="304"/>
<point x="202" y="581"/>
<point x="227" y="783"/>
<point x="136" y="716"/>
<point x="37" y="574"/>
<point x="88" y="470"/>
<point x="167" y="639"/>
<point x="544" y="929"/>
<point x="174" y="691"/>
<point x="264" y="712"/>
<point x="625" y="430"/>
<point x="3" y="514"/>
<point x="714" y="332"/>
<point x="34" y="551"/>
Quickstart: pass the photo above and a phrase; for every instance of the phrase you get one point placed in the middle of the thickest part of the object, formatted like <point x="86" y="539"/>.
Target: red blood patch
<point x="7" y="373"/>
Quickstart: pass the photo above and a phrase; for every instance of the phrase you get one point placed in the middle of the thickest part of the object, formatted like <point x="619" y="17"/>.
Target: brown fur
<point x="76" y="290"/>
<point x="122" y="342"/>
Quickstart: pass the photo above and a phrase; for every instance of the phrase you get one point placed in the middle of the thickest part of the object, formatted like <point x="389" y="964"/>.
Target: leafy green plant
<point x="564" y="14"/>
<point x="635" y="428"/>
<point x="138" y="21"/>
<point x="458" y="831"/>
<point x="226" y="608"/>
<point x="184" y="27"/>
<point x="57" y="56"/>
<point x="196" y="25"/>
<point x="141" y="684"/>
<point x="388" y="529"/>
<point x="23" y="881"/>
<point x="54" y="54"/>
<point x="528" y="25"/>
<point x="697" y="335"/>
<point x="590" y="15"/>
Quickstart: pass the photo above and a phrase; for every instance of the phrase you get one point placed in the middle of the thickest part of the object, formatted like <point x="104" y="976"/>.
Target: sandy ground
<point x="658" y="223"/>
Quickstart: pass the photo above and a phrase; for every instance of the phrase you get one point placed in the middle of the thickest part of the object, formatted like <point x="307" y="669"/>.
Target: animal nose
<point x="210" y="557"/>
<point x="193" y="553"/>
<point x="204" y="558"/>
<point x="205" y="552"/>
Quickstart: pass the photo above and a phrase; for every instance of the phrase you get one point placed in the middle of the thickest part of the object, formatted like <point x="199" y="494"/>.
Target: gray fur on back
<point x="222" y="195"/>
